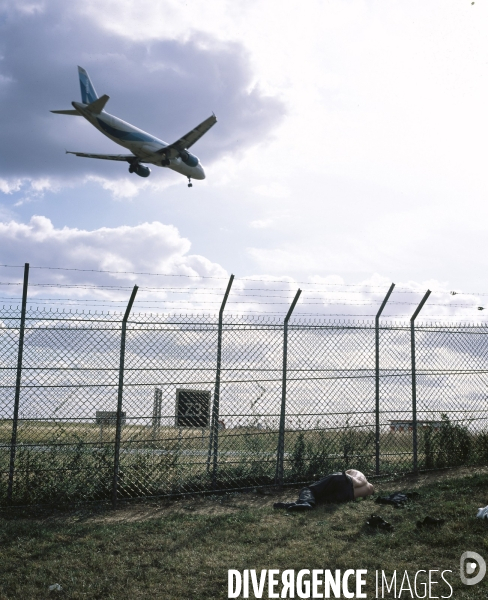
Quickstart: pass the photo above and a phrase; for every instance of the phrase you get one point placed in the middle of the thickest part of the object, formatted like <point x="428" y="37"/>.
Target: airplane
<point x="145" y="148"/>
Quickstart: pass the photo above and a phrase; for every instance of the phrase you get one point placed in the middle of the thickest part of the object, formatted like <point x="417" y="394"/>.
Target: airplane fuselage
<point x="146" y="147"/>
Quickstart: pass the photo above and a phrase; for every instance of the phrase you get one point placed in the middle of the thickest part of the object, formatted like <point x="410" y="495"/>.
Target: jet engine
<point x="140" y="170"/>
<point x="189" y="159"/>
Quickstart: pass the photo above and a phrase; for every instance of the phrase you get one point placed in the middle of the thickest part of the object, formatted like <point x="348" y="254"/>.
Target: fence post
<point x="13" y="442"/>
<point x="158" y="402"/>
<point x="280" y="452"/>
<point x="115" y="483"/>
<point x="414" y="380"/>
<point x="214" y="427"/>
<point x="377" y="376"/>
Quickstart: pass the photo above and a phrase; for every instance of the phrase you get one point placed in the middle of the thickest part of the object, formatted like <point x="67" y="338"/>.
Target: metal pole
<point x="377" y="368"/>
<point x="414" y="381"/>
<point x="158" y="401"/>
<point x="13" y="442"/>
<point x="115" y="483"/>
<point x="214" y="428"/>
<point x="280" y="452"/>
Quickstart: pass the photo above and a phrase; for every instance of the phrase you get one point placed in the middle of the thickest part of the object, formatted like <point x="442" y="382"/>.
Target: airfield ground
<point x="183" y="549"/>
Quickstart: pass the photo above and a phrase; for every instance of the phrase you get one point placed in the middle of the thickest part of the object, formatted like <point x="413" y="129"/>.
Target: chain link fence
<point x="177" y="436"/>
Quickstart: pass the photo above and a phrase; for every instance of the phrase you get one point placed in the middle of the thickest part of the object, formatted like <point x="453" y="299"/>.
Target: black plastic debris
<point x="397" y="499"/>
<point x="377" y="522"/>
<point x="430" y="522"/>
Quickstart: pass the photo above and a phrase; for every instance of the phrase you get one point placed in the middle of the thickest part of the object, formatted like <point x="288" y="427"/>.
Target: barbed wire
<point x="191" y="301"/>
<point x="291" y="281"/>
<point x="304" y="302"/>
<point x="296" y="314"/>
<point x="220" y="289"/>
<point x="199" y="302"/>
<point x="178" y="275"/>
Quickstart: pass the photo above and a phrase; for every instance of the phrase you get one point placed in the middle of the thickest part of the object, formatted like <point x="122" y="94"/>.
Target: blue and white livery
<point x="144" y="148"/>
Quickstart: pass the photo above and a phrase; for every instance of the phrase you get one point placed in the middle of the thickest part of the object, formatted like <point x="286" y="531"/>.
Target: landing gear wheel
<point x="190" y="184"/>
<point x="131" y="169"/>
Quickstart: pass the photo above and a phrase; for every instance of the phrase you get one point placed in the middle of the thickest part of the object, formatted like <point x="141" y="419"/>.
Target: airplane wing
<point x="121" y="157"/>
<point x="191" y="137"/>
<point x="74" y="113"/>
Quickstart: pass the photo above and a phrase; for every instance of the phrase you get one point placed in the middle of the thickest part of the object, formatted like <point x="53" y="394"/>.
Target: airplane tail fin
<point x="88" y="93"/>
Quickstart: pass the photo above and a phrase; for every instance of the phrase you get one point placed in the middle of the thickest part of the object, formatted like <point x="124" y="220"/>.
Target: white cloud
<point x="381" y="147"/>
<point x="34" y="186"/>
<point x="193" y="283"/>
<point x="272" y="190"/>
<point x="77" y="257"/>
<point x="28" y="8"/>
<point x="261" y="223"/>
<point x="125" y="188"/>
<point x="305" y="259"/>
<point x="121" y="188"/>
<point x="9" y="186"/>
<point x="24" y="200"/>
<point x="152" y="247"/>
<point x="43" y="184"/>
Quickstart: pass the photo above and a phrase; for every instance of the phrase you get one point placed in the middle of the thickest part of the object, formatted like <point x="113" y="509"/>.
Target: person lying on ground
<point x="360" y="484"/>
<point x="334" y="488"/>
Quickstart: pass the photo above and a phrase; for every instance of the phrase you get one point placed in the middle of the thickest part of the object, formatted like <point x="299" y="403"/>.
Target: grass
<point x="59" y="463"/>
<point x="182" y="550"/>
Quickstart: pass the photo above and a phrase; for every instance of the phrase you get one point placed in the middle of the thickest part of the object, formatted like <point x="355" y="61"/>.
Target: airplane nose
<point x="201" y="173"/>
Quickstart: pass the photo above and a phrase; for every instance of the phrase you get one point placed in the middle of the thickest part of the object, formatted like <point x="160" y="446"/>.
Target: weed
<point x="175" y="553"/>
<point x="69" y="468"/>
<point x="449" y="445"/>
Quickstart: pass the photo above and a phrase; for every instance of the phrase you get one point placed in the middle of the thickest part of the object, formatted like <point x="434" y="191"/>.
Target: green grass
<point x="183" y="549"/>
<point x="61" y="463"/>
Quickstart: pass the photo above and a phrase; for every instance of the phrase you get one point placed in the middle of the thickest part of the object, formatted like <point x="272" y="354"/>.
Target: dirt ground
<point x="143" y="510"/>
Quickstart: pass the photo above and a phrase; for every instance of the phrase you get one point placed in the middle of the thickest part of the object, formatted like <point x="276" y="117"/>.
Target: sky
<point x="349" y="153"/>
